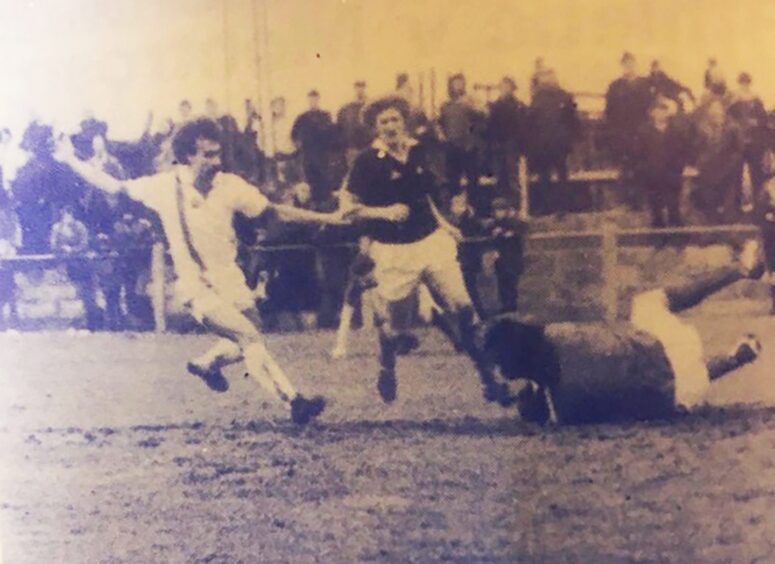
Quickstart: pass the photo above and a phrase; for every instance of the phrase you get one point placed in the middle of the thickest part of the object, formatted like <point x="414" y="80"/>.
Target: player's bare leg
<point x="343" y="331"/>
<point x="685" y="296"/>
<point x="458" y="320"/>
<point x="230" y="323"/>
<point x="223" y="353"/>
<point x="391" y="319"/>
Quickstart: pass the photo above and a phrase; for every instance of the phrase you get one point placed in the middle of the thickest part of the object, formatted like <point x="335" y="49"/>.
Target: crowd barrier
<point x="607" y="241"/>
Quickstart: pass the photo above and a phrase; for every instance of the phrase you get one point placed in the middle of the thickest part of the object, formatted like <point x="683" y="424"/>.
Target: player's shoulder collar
<point x="184" y="175"/>
<point x="382" y="150"/>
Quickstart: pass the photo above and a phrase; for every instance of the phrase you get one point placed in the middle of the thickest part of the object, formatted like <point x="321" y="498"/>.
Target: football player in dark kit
<point x="391" y="191"/>
<point x="651" y="367"/>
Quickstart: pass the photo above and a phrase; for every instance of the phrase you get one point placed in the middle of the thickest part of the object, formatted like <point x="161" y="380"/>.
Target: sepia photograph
<point x="387" y="281"/>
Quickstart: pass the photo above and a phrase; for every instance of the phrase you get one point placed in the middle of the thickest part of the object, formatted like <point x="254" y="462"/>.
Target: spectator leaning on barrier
<point x="662" y="151"/>
<point x="554" y="126"/>
<point x="506" y="130"/>
<point x="719" y="159"/>
<point x="747" y="110"/>
<point x="70" y="239"/>
<point x="508" y="234"/>
<point x="10" y="241"/>
<point x="312" y="133"/>
<point x="133" y="238"/>
<point x="627" y="103"/>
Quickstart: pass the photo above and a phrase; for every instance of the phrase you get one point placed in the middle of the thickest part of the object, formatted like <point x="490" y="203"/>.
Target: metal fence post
<point x="156" y="288"/>
<point x="610" y="252"/>
<point x="524" y="187"/>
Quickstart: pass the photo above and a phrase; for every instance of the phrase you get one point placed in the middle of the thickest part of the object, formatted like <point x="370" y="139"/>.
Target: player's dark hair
<point x="184" y="144"/>
<point x="380" y="105"/>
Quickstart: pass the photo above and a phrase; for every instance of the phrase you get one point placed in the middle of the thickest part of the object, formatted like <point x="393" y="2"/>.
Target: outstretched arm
<point x="294" y="214"/>
<point x="65" y="154"/>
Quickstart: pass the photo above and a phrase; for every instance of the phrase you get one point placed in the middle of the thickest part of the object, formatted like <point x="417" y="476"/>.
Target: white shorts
<point x="682" y="344"/>
<point x="401" y="268"/>
<point x="215" y="291"/>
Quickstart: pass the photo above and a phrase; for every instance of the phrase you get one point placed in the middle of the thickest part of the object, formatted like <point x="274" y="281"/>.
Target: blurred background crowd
<point x="672" y="153"/>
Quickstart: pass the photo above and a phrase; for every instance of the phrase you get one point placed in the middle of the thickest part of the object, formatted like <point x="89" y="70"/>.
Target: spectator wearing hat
<point x="748" y="113"/>
<point x="627" y="103"/>
<point x="354" y="134"/>
<point x="506" y="134"/>
<point x="312" y="134"/>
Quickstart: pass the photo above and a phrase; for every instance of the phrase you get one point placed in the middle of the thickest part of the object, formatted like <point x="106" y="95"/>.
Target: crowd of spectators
<point x="654" y="127"/>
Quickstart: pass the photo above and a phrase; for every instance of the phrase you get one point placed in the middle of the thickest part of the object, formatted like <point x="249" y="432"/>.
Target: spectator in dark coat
<point x="470" y="251"/>
<point x="312" y="133"/>
<point x="719" y="160"/>
<point x="747" y="111"/>
<point x="355" y="136"/>
<point x="41" y="187"/>
<point x="508" y="234"/>
<point x="133" y="237"/>
<point x="554" y="126"/>
<point x="627" y="103"/>
<point x="506" y="134"/>
<point x="662" y="152"/>
<point x="460" y="123"/>
<point x="661" y="84"/>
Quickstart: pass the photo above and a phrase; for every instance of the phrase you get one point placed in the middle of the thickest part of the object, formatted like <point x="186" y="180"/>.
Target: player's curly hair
<point x="379" y="105"/>
<point x="184" y="143"/>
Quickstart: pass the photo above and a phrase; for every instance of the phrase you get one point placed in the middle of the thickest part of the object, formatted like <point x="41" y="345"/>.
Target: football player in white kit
<point x="196" y="203"/>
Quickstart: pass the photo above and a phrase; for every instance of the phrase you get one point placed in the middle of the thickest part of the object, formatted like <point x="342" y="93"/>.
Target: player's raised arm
<point x="65" y="154"/>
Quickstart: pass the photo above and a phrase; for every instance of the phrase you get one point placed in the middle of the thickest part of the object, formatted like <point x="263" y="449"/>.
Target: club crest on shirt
<point x="395" y="175"/>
